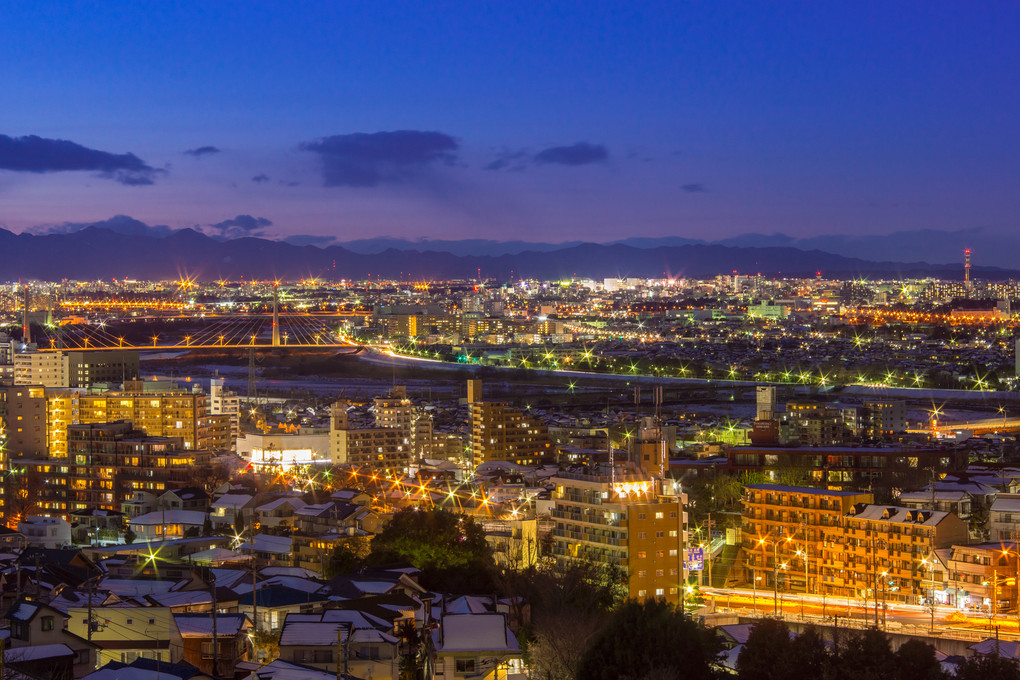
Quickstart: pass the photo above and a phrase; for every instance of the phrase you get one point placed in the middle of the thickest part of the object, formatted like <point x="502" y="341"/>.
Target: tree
<point x="651" y="640"/>
<point x="865" y="656"/>
<point x="347" y="557"/>
<point x="767" y="654"/>
<point x="570" y="604"/>
<point x="770" y="653"/>
<point x="449" y="548"/>
<point x="129" y="537"/>
<point x="809" y="656"/>
<point x="987" y="667"/>
<point x="915" y="660"/>
<point x="413" y="641"/>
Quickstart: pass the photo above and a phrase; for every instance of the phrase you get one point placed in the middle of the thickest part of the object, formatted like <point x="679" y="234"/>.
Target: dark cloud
<point x="41" y="155"/>
<point x="238" y="227"/>
<point x="260" y="179"/>
<point x="371" y="159"/>
<point x="510" y="160"/>
<point x="202" y="151"/>
<point x="309" y="240"/>
<point x="694" y="188"/>
<point x="120" y="224"/>
<point x="581" y="153"/>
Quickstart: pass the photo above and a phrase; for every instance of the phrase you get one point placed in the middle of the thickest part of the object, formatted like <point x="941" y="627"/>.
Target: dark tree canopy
<point x="648" y="640"/>
<point x="449" y="548"/>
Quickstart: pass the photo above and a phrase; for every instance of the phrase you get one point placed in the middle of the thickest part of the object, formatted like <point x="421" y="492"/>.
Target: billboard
<point x="694" y="559"/>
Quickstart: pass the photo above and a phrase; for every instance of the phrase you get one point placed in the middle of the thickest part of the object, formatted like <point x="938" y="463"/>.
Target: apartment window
<point x="641" y="515"/>
<point x="465" y="665"/>
<point x="673" y="533"/>
<point x="659" y="534"/>
<point x="641" y="554"/>
<point x="47" y="623"/>
<point x="658" y="515"/>
<point x="642" y="574"/>
<point x="659" y="592"/>
<point x="642" y="593"/>
<point x="659" y="572"/>
<point x="672" y="553"/>
<point x="642" y="535"/>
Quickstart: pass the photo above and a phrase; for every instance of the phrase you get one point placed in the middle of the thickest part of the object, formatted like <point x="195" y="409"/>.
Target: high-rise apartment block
<point x="383" y="448"/>
<point x="22" y="421"/>
<point x="500" y="431"/>
<point x="839" y="543"/>
<point x="779" y="521"/>
<point x="75" y="368"/>
<point x="621" y="518"/>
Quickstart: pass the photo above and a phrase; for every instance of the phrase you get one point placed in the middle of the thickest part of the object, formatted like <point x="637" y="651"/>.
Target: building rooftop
<point x="802" y="489"/>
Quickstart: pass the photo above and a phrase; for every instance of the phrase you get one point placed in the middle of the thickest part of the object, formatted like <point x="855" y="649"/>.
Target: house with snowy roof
<point x="229" y="632"/>
<point x="34" y="624"/>
<point x="356" y="641"/>
<point x="476" y="646"/>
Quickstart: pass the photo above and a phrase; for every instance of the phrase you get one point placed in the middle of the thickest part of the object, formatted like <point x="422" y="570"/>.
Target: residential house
<point x="45" y="532"/>
<point x="279" y="513"/>
<point x="186" y="498"/>
<point x="229" y="633"/>
<point x="1004" y="517"/>
<point x="317" y="640"/>
<point x="127" y="633"/>
<point x="167" y="524"/>
<point x="34" y="624"/>
<point x="232" y="510"/>
<point x="477" y="646"/>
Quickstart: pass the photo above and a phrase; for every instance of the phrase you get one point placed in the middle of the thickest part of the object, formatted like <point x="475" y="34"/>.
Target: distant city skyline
<point x="527" y="123"/>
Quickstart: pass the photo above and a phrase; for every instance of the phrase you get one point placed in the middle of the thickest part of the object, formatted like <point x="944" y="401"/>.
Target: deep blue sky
<point x="603" y="120"/>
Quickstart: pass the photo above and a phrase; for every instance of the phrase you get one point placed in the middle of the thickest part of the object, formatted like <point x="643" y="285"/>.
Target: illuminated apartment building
<point x="162" y="414"/>
<point x="108" y="462"/>
<point x="881" y="551"/>
<point x="500" y="431"/>
<point x="778" y="521"/>
<point x="23" y="421"/>
<point x="622" y="519"/>
<point x="223" y="402"/>
<point x="48" y="369"/>
<point x="383" y="448"/>
<point x="396" y="412"/>
<point x="34" y="487"/>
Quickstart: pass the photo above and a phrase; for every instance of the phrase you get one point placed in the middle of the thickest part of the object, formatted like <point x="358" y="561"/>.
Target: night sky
<point x="534" y="121"/>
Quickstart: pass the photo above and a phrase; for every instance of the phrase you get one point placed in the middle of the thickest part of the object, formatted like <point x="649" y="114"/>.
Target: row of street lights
<point x="804" y="554"/>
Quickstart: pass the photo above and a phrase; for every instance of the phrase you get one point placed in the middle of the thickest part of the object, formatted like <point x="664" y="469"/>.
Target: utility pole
<point x="709" y="559"/>
<point x="215" y="639"/>
<point x="874" y="573"/>
<point x="343" y="638"/>
<point x="254" y="579"/>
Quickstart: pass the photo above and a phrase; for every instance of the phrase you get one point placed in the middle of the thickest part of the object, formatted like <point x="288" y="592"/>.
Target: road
<point x="947" y="621"/>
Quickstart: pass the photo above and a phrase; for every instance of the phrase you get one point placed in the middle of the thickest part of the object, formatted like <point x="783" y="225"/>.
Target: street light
<point x="1006" y="552"/>
<point x="775" y="569"/>
<point x="929" y="564"/>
